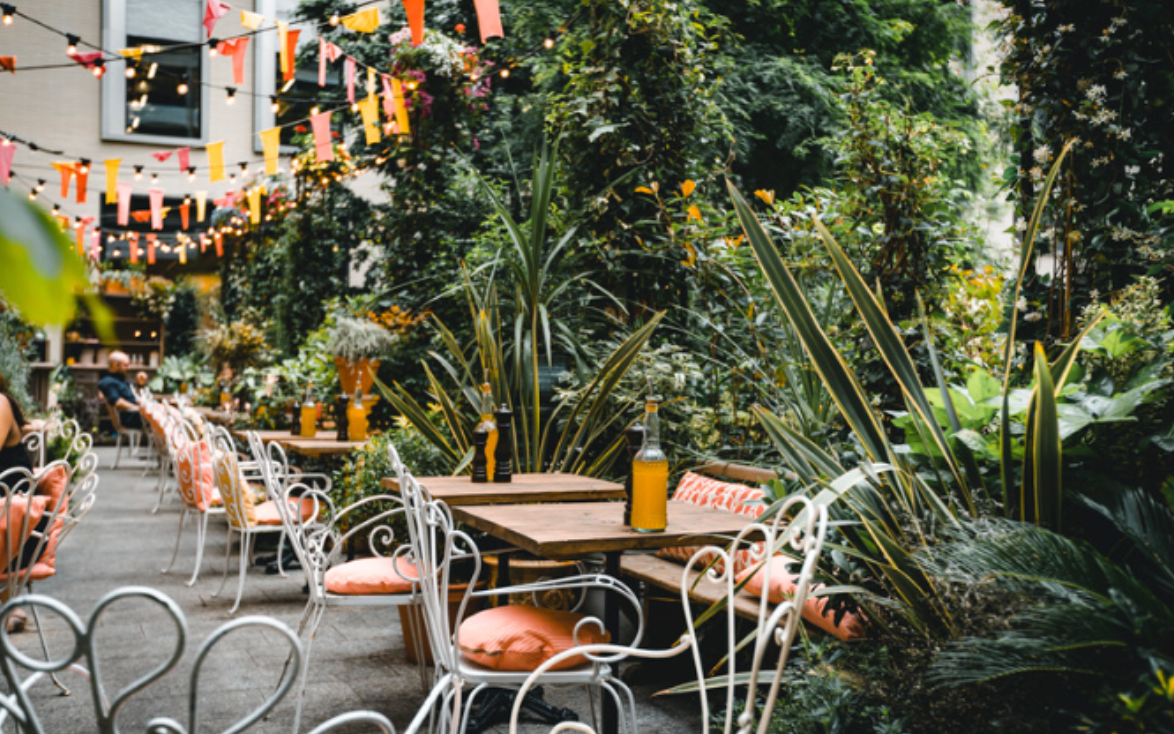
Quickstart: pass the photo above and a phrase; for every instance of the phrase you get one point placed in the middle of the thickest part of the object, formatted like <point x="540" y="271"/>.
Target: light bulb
<point x="154" y="178"/>
<point x="212" y="44"/>
<point x="40" y="185"/>
<point x="182" y="89"/>
<point x="191" y="174"/>
<point x="231" y="91"/>
<point x="505" y="73"/>
<point x="130" y="72"/>
<point x="9" y="11"/>
<point x="548" y="43"/>
<point x="85" y="166"/>
<point x="71" y="43"/>
<point x="274" y="104"/>
<point x="98" y="69"/>
<point x="355" y="107"/>
<point x="314" y="111"/>
<point x="151" y="71"/>
<point x="138" y="173"/>
<point x="334" y="19"/>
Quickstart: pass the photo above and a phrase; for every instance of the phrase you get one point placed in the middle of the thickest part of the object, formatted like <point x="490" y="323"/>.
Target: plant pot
<point x="410" y="616"/>
<point x="526" y="569"/>
<point x="356" y="374"/>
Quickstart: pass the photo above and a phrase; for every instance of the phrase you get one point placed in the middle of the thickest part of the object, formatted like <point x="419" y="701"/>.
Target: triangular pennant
<point x="66" y="170"/>
<point x="150" y="249"/>
<point x="112" y="165"/>
<point x="156" y="197"/>
<point x="322" y="145"/>
<point x="252" y="21"/>
<point x="489" y="19"/>
<point x="96" y="244"/>
<point x="183" y="155"/>
<point x="415" y="10"/>
<point x="369" y="108"/>
<point x="271" y="143"/>
<point x="83" y="177"/>
<point x="364" y="21"/>
<point x="7" y="152"/>
<point x="162" y="155"/>
<point x="214" y="11"/>
<point x="132" y="241"/>
<point x="321" y="61"/>
<point x="291" y="55"/>
<point x="184" y="213"/>
<point x="135" y="52"/>
<point x="215" y="161"/>
<point x="203" y="242"/>
<point x="255" y="205"/>
<point x="201" y="205"/>
<point x="283" y="44"/>
<point x="219" y="238"/>
<point x="350" y="79"/>
<point x="370" y="82"/>
<point x="90" y="60"/>
<point x="8" y="63"/>
<point x="235" y="47"/>
<point x="388" y="97"/>
<point x="142" y="216"/>
<point x="182" y="249"/>
<point x="124" y="190"/>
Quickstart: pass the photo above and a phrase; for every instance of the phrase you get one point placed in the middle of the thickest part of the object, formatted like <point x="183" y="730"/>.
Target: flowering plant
<point x="440" y="65"/>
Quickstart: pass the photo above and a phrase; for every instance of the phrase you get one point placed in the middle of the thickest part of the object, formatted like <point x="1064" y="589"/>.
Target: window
<point x="150" y="108"/>
<point x="293" y="97"/>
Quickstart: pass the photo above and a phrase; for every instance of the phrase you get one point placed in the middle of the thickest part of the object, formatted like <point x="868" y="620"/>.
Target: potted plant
<point x="357" y="345"/>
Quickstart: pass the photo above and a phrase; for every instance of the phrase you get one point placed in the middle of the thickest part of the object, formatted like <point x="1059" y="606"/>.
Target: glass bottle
<point x="650" y="477"/>
<point x="357" y="417"/>
<point x="309" y="413"/>
<point x="488" y="425"/>
<point x="225" y="396"/>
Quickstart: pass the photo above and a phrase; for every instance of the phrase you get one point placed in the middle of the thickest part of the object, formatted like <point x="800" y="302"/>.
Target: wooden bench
<point x="667" y="575"/>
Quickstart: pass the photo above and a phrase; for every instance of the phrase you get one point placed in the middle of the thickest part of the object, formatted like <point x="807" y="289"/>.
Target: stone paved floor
<point x="358" y="657"/>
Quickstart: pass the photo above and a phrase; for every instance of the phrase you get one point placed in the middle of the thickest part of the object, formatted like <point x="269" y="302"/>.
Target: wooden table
<point x="212" y="415"/>
<point x="537" y="487"/>
<point x="325" y="443"/>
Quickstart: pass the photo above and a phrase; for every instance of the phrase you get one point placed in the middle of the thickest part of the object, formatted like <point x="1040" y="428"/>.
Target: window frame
<point x="113" y="92"/>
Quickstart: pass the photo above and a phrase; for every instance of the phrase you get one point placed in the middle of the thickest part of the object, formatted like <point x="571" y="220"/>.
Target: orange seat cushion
<point x="782" y="586"/>
<point x="371" y="576"/>
<point x="266" y="512"/>
<point x="52" y="483"/>
<point x="715" y="494"/>
<point x="520" y="638"/>
<point x="14" y="531"/>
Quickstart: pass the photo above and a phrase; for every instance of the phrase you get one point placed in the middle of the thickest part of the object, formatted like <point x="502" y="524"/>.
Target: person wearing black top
<point x="12" y="456"/>
<point x="117" y="391"/>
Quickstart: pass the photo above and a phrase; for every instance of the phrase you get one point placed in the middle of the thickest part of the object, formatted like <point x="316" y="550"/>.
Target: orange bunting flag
<point x="124" y="190"/>
<point x="322" y="146"/>
<point x="66" y="170"/>
<point x="150" y="249"/>
<point x="112" y="165"/>
<point x="184" y="212"/>
<point x="80" y="228"/>
<point x="201" y="205"/>
<point x="156" y="197"/>
<point x="219" y="238"/>
<point x="235" y="47"/>
<point x="364" y="21"/>
<point x="203" y="243"/>
<point x="255" y="205"/>
<point x="401" y="109"/>
<point x="291" y="54"/>
<point x="215" y="161"/>
<point x="271" y="143"/>
<point x="132" y="241"/>
<point x="489" y="19"/>
<point x="415" y="10"/>
<point x="8" y="63"/>
<point x="369" y="108"/>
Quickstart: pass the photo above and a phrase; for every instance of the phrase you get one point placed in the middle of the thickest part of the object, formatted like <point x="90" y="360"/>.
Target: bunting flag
<point x="182" y="249"/>
<point x="219" y="238"/>
<point x="229" y="200"/>
<point x="291" y="54"/>
<point x="124" y="190"/>
<point x="150" y="249"/>
<point x="90" y="61"/>
<point x="201" y="205"/>
<point x="388" y="97"/>
<point x="271" y="142"/>
<point x="235" y="47"/>
<point x="141" y="216"/>
<point x="156" y="197"/>
<point x="350" y="79"/>
<point x="80" y="230"/>
<point x="369" y="107"/>
<point x="132" y="241"/>
<point x="184" y="212"/>
<point x="327" y="52"/>
<point x="255" y="205"/>
<point x="401" y="110"/>
<point x="415" y="10"/>
<point x="215" y="162"/>
<point x="322" y="147"/>
<point x="112" y="165"/>
<point x="283" y="44"/>
<point x="214" y="11"/>
<point x="370" y="82"/>
<point x="135" y="53"/>
<point x="8" y="63"/>
<point x="67" y="171"/>
<point x="96" y="245"/>
<point x="6" y="154"/>
<point x="489" y="19"/>
<point x="203" y="243"/>
<point x="252" y="21"/>
<point x="162" y="155"/>
<point x="183" y="155"/>
<point x="364" y="21"/>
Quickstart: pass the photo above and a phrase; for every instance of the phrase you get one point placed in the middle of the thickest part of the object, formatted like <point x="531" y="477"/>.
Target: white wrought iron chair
<point x="386" y="578"/>
<point x="134" y="436"/>
<point x="56" y="430"/>
<point x="436" y="544"/>
<point x="246" y="517"/>
<point x="197" y="488"/>
<point x="17" y="705"/>
<point x="160" y="422"/>
<point x="802" y="538"/>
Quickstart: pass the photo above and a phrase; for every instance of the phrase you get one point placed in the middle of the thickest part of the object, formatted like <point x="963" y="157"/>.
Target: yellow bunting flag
<point x="370" y="82"/>
<point x="182" y="249"/>
<point x="112" y="179"/>
<point x="271" y="142"/>
<point x="369" y="108"/>
<point x="401" y="111"/>
<point x="255" y="205"/>
<point x="135" y="53"/>
<point x="201" y="204"/>
<point x="283" y="44"/>
<point x="252" y="21"/>
<point x="215" y="161"/>
<point x="364" y="21"/>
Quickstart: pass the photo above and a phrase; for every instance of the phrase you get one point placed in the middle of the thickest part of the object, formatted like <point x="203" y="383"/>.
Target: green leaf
<point x="40" y="274"/>
<point x="1043" y="497"/>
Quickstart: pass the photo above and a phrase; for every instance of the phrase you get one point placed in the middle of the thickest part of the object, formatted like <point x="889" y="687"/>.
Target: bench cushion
<point x="520" y="638"/>
<point x="704" y="491"/>
<point x="815" y="611"/>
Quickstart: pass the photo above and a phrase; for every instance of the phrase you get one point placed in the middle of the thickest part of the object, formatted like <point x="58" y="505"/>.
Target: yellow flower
<point x="766" y="196"/>
<point x="695" y="213"/>
<point x="687" y="188"/>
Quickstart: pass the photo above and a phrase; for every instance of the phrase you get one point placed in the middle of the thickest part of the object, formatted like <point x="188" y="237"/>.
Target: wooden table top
<point x="323" y="444"/>
<point x="572" y="529"/>
<point x="537" y="487"/>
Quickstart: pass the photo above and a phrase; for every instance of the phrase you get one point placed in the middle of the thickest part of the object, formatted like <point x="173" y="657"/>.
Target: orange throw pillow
<point x="715" y="494"/>
<point x="52" y="484"/>
<point x="371" y="576"/>
<point x="782" y="585"/>
<point x="520" y="638"/>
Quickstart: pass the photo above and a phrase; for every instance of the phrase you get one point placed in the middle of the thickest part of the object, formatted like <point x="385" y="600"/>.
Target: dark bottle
<point x="635" y="439"/>
<point x="295" y="420"/>
<point x="480" y="460"/>
<point x="340" y="418"/>
<point x="504" y="453"/>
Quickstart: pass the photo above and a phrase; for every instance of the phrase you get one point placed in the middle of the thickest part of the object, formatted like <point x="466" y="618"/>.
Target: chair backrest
<point x="56" y="429"/>
<point x="226" y="472"/>
<point x="30" y="524"/>
<point x="193" y="465"/>
<point x="19" y="705"/>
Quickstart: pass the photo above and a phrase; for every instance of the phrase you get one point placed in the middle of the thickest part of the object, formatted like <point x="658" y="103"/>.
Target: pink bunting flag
<point x="350" y="79"/>
<point x="124" y="190"/>
<point x="183" y="156"/>
<point x="388" y="97"/>
<point x="96" y="245"/>
<point x="327" y="52"/>
<point x="229" y="199"/>
<point x="89" y="60"/>
<point x="489" y="19"/>
<point x="214" y="11"/>
<point x="7" y="151"/>
<point x="162" y="155"/>
<point x="156" y="196"/>
<point x="235" y="47"/>
<point x="150" y="249"/>
<point x="322" y="147"/>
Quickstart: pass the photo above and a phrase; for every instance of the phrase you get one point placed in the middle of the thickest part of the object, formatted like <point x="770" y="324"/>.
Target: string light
<point x="99" y="68"/>
<point x="151" y="71"/>
<point x="154" y="178"/>
<point x="130" y="72"/>
<point x="231" y="91"/>
<point x="40" y="185"/>
<point x="274" y="104"/>
<point x="71" y="40"/>
<point x="548" y="43"/>
<point x="505" y="73"/>
<point x="32" y="196"/>
<point x="191" y="173"/>
<point x="334" y="19"/>
<point x="244" y="169"/>
<point x="212" y="44"/>
<point x="182" y="89"/>
<point x="314" y="111"/>
<point x="85" y="167"/>
<point x="9" y="11"/>
<point x="56" y="209"/>
<point x="138" y="173"/>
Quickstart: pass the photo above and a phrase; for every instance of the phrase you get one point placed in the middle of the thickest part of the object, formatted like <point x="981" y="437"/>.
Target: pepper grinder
<point x="635" y="439"/>
<point x="340" y="418"/>
<point x="504" y="453"/>
<point x="480" y="461"/>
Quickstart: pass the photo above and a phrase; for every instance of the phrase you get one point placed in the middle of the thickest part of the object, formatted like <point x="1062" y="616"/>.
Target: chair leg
<point x="307" y="644"/>
<point x="118" y="448"/>
<point x="201" y="536"/>
<point x="468" y="707"/>
<point x="246" y="545"/>
<point x="183" y="516"/>
<point x="280" y="554"/>
<point x="164" y="478"/>
<point x="227" y="555"/>
<point x="45" y="649"/>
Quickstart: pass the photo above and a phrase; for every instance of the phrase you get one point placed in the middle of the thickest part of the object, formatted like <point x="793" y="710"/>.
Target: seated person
<point x="118" y="393"/>
<point x="141" y="380"/>
<point x="14" y="455"/>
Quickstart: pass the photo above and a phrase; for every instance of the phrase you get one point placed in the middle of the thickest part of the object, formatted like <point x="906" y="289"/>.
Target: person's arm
<point x="114" y="396"/>
<point x="7" y="420"/>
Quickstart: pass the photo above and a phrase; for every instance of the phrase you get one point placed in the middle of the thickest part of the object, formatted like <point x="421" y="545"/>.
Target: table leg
<point x="611" y="621"/>
<point x="503" y="577"/>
